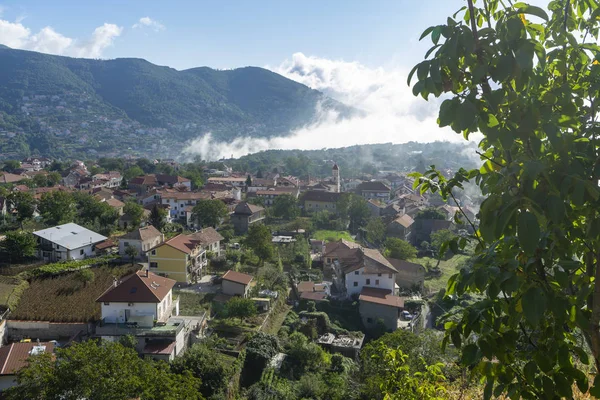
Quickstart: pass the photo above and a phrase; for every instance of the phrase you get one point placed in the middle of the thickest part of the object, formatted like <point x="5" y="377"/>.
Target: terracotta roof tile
<point x="380" y="296"/>
<point x="139" y="288"/>
<point x="237" y="277"/>
<point x="14" y="356"/>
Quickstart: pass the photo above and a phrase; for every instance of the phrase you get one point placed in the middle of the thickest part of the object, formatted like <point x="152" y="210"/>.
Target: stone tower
<point x="336" y="177"/>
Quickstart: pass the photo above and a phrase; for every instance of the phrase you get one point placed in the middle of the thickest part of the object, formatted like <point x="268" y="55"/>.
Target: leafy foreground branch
<point x="528" y="82"/>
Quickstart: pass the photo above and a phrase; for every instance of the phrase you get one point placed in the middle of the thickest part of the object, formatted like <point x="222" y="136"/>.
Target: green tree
<point x="241" y="308"/>
<point x="11" y="165"/>
<point x="54" y="178"/>
<point x="132" y="252"/>
<point x="248" y="181"/>
<point x="135" y="212"/>
<point x="132" y="172"/>
<point x="358" y="212"/>
<point x="400" y="249"/>
<point x="57" y="207"/>
<point x="430" y="213"/>
<point x="40" y="180"/>
<point x="440" y="237"/>
<point x="528" y="83"/>
<point x="24" y="204"/>
<point x="209" y="212"/>
<point x="207" y="365"/>
<point x="375" y="231"/>
<point x="85" y="276"/>
<point x="259" y="239"/>
<point x="105" y="371"/>
<point x="158" y="217"/>
<point x="304" y="355"/>
<point x="19" y="245"/>
<point x="286" y="207"/>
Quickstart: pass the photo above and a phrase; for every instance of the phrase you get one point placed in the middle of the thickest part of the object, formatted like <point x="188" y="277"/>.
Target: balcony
<point x="165" y="329"/>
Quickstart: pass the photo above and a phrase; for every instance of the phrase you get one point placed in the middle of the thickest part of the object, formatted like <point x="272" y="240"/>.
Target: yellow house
<point x="183" y="257"/>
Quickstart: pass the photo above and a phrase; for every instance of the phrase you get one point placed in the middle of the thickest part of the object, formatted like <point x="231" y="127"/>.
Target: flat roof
<point x="70" y="236"/>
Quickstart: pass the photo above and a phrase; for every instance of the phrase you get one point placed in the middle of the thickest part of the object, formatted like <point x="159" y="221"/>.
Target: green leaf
<point x="447" y="112"/>
<point x="534" y="305"/>
<point x="435" y="34"/>
<point x="528" y="232"/>
<point x="555" y="208"/>
<point x="469" y="355"/>
<point x="410" y="75"/>
<point x="465" y="117"/>
<point x="582" y="355"/>
<point x="426" y="32"/>
<point x="532" y="10"/>
<point x="529" y="371"/>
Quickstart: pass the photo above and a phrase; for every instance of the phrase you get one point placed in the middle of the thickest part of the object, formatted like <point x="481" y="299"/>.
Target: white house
<point x="371" y="270"/>
<point x="140" y="298"/>
<point x="142" y="239"/>
<point x="178" y="201"/>
<point x="356" y="267"/>
<point x="67" y="242"/>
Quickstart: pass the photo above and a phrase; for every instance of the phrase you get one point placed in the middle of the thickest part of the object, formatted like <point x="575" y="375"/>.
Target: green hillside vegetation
<point x="84" y="95"/>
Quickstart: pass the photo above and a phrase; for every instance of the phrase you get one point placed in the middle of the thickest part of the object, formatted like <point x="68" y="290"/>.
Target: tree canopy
<point x="209" y="212"/>
<point x="400" y="249"/>
<point x="100" y="372"/>
<point x="528" y="82"/>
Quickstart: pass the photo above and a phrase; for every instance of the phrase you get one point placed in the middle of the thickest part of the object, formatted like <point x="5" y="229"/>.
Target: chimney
<point x="114" y="282"/>
<point x="146" y="272"/>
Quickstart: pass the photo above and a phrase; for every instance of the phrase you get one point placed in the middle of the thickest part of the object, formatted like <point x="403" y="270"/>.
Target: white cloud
<point x="149" y="23"/>
<point x="47" y="40"/>
<point x="391" y="113"/>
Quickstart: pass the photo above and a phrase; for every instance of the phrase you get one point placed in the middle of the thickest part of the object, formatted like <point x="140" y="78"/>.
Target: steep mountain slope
<point x="76" y="98"/>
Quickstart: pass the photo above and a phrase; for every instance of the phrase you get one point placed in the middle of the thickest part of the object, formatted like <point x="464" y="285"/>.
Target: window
<point x="81" y="252"/>
<point x="130" y="304"/>
<point x="106" y="303"/>
<point x="355" y="284"/>
<point x="378" y="274"/>
<point x="377" y="282"/>
<point x="368" y="281"/>
<point x="57" y="247"/>
<point x="356" y="272"/>
<point x="125" y="244"/>
<point x="390" y="276"/>
<point x="153" y="252"/>
<point x="153" y="265"/>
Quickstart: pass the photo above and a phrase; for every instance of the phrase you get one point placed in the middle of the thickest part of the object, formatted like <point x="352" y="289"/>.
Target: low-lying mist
<point x="391" y="113"/>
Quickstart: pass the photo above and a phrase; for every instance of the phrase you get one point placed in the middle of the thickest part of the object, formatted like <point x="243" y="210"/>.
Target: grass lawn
<point x="278" y="314"/>
<point x="191" y="303"/>
<point x="332" y="236"/>
<point x="449" y="267"/>
<point x="64" y="298"/>
<point x="5" y="291"/>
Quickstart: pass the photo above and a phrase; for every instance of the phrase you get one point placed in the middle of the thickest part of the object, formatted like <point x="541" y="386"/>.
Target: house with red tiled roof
<point x="142" y="294"/>
<point x="184" y="256"/>
<point x="355" y="267"/>
<point x="142" y="239"/>
<point x="380" y="304"/>
<point x="142" y="305"/>
<point x="13" y="358"/>
<point x="236" y="283"/>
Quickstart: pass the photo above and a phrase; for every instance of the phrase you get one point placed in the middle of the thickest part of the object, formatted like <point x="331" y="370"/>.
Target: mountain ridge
<point x="247" y="101"/>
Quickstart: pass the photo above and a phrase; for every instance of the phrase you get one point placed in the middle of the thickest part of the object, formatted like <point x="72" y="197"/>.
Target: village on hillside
<point x="168" y="262"/>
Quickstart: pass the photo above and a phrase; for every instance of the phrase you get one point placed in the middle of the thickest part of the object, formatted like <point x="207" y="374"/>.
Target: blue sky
<point x="238" y="33"/>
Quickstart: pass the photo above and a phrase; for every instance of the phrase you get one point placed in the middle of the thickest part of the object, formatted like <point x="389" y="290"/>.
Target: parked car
<point x="407" y="316"/>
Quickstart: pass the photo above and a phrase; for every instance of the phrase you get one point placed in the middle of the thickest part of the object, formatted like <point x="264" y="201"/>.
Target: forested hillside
<point x="61" y="104"/>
